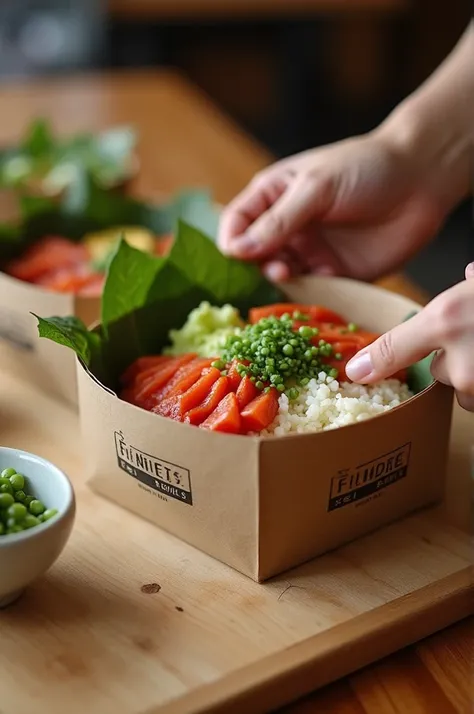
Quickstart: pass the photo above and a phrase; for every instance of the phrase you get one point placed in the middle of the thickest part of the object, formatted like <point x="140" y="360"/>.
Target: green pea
<point x="338" y="356"/>
<point x="308" y="355"/>
<point x="305" y="332"/>
<point x="352" y="327"/>
<point x="18" y="482"/>
<point x="333" y="372"/>
<point x="6" y="500"/>
<point x="15" y="529"/>
<point x="218" y="364"/>
<point x="20" y="496"/>
<point x="31" y="521"/>
<point x="17" y="511"/>
<point x="6" y="473"/>
<point x="284" y="366"/>
<point x="288" y="350"/>
<point x="36" y="507"/>
<point x="6" y="488"/>
<point x="28" y="500"/>
<point x="281" y="387"/>
<point x="259" y="385"/>
<point x="48" y="514"/>
<point x="293" y="394"/>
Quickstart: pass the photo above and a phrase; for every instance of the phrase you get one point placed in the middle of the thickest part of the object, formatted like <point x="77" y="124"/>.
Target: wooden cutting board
<point x="132" y="621"/>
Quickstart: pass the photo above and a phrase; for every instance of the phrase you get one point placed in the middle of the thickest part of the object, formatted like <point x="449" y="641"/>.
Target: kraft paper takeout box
<point x="265" y="505"/>
<point x="22" y="352"/>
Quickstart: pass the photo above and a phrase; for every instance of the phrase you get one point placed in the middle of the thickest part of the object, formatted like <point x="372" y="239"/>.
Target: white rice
<point x="325" y="404"/>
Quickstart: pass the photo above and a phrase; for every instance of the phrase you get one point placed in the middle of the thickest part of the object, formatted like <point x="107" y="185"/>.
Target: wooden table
<point x="186" y="141"/>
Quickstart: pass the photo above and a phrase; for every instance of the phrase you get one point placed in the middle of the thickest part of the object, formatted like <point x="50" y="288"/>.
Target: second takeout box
<point x="265" y="505"/>
<point x="84" y="208"/>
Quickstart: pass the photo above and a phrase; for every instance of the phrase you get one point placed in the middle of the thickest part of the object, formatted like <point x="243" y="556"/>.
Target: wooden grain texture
<point x="184" y="138"/>
<point x="129" y="614"/>
<point x="133" y="621"/>
<point x="238" y="9"/>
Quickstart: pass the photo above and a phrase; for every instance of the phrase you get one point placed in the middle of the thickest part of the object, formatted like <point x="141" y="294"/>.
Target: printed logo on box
<point x="162" y="476"/>
<point x="351" y="485"/>
<point x="15" y="330"/>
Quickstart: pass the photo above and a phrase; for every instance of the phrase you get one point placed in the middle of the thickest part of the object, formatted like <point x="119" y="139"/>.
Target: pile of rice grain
<point x="325" y="404"/>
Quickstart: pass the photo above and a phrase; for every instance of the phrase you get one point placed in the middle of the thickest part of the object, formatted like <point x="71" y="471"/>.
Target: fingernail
<point x="324" y="270"/>
<point x="276" y="272"/>
<point x="469" y="270"/>
<point x="359" y="367"/>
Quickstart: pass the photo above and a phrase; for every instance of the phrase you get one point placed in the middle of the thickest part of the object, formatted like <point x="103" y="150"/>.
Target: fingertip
<point x="469" y="272"/>
<point x="277" y="271"/>
<point x="360" y="368"/>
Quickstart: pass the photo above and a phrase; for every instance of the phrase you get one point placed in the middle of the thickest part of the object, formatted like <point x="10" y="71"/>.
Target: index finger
<point x="244" y="210"/>
<point x="397" y="349"/>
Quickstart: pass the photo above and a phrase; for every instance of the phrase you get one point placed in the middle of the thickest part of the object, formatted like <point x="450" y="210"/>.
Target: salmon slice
<point x="234" y="377"/>
<point x="161" y="377"/>
<point x="260" y="413"/>
<point x="176" y="406"/>
<point x="218" y="391"/>
<point x="140" y="365"/>
<point x="225" y="417"/>
<point x="46" y="256"/>
<point x="246" y="392"/>
<point x="184" y="378"/>
<point x="163" y="245"/>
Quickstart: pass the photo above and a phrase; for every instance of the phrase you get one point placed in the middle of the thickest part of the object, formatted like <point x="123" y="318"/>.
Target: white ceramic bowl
<point x="25" y="556"/>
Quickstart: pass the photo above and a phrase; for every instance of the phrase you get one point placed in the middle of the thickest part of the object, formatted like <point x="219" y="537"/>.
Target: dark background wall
<point x="292" y="79"/>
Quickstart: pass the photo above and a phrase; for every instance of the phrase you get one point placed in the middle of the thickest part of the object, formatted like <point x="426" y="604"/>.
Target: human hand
<point x="445" y="324"/>
<point x="359" y="208"/>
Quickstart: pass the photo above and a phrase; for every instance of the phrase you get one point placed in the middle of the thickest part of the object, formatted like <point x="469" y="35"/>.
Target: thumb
<point x="306" y="198"/>
<point x="397" y="349"/>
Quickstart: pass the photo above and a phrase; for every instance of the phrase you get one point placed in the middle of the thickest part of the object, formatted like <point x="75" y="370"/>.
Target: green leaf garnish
<point x="146" y="296"/>
<point x="70" y="332"/>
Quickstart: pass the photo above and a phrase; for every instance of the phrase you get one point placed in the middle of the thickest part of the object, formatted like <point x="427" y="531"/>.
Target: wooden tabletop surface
<point x="186" y="141"/>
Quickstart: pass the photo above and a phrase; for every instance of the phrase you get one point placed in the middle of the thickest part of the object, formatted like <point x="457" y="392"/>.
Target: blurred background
<point x="294" y="73"/>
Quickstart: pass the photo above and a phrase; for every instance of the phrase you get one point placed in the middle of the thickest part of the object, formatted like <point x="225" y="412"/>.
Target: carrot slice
<point x="316" y="313"/>
<point x="176" y="407"/>
<point x="225" y="417"/>
<point x="218" y="391"/>
<point x="260" y="413"/>
<point x="160" y="378"/>
<point x="338" y="333"/>
<point x="141" y="366"/>
<point x="246" y="392"/>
